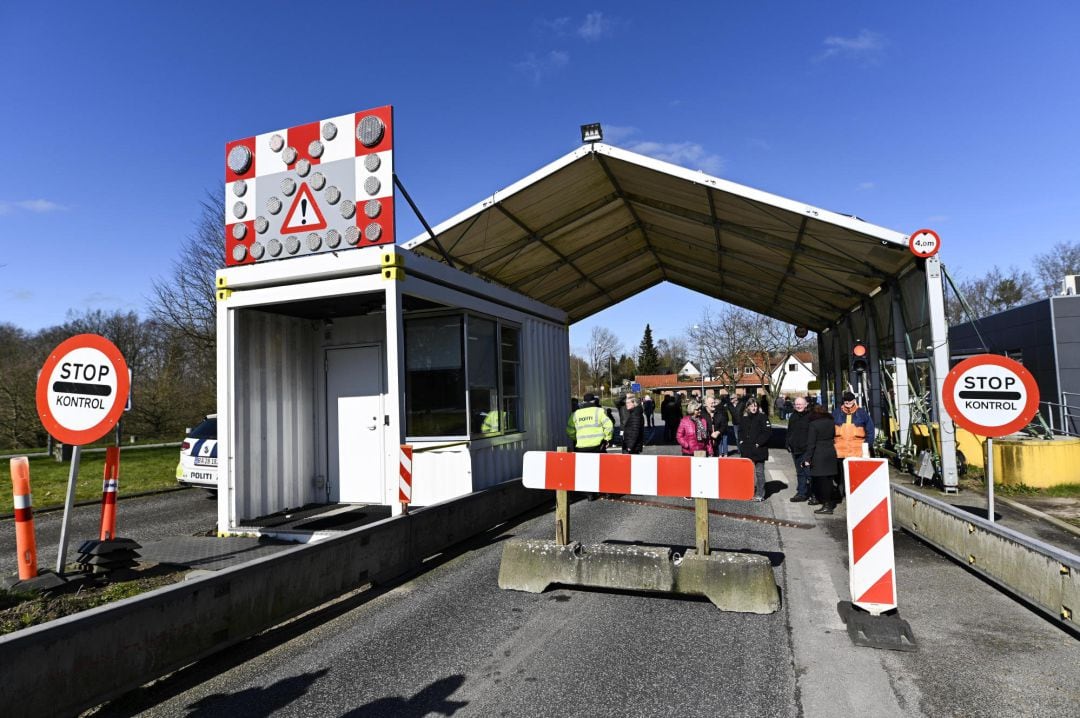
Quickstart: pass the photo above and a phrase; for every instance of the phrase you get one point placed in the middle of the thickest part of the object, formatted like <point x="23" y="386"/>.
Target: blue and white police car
<point x="198" y="456"/>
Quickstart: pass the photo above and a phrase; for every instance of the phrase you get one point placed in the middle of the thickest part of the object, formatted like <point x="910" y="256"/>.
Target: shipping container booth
<point x="328" y="363"/>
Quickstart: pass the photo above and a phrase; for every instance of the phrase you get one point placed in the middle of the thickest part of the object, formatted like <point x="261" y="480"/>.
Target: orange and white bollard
<point x="25" y="543"/>
<point x="108" y="493"/>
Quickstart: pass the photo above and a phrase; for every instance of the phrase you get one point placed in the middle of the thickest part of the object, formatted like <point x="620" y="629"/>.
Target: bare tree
<point x="995" y="292"/>
<point x="603" y="347"/>
<point x="1052" y="266"/>
<point x="186" y="300"/>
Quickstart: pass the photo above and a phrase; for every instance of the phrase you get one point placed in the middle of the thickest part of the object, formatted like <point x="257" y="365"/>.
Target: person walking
<point x="647" y="408"/>
<point x="796" y="444"/>
<point x="692" y="433"/>
<point x="589" y="428"/>
<point x="633" y="431"/>
<point x="717" y="425"/>
<point x="754" y="432"/>
<point x="820" y="458"/>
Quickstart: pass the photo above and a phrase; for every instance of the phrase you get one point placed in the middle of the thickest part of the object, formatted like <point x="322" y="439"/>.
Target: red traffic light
<point x="858" y="350"/>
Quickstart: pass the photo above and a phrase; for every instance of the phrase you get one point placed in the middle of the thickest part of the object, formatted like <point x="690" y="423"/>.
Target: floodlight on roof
<point x="592" y="132"/>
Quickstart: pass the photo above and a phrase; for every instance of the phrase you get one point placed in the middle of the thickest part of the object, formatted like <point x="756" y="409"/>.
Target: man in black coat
<point x="754" y="432"/>
<point x="798" y="424"/>
<point x="633" y="431"/>
<point x="716" y="425"/>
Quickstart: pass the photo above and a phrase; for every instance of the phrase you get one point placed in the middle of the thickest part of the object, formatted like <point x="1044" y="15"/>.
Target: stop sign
<point x="82" y="389"/>
<point x="990" y="395"/>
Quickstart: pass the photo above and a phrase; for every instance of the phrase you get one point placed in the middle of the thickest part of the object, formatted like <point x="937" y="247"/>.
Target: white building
<point x="797" y="372"/>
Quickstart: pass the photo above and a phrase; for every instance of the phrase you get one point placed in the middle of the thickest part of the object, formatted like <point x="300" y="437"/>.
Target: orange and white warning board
<point x="871" y="564"/>
<point x="641" y="474"/>
<point x="320" y="187"/>
<point x="405" y="474"/>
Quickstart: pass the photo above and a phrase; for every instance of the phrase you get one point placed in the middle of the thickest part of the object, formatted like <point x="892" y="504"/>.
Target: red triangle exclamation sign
<point x="304" y="215"/>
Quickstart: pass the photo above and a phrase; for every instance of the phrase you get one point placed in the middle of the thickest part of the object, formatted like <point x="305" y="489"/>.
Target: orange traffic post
<point x="108" y="493"/>
<point x="25" y="544"/>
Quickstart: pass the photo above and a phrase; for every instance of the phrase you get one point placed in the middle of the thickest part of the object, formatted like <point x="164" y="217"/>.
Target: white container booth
<point x="328" y="363"/>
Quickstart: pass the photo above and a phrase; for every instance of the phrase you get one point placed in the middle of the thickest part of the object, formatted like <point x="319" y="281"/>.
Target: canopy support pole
<point x="939" y="361"/>
<point x="873" y="379"/>
<point x="902" y="397"/>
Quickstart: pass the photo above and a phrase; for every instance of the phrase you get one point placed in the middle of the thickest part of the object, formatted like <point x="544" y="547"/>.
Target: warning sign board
<point x="990" y="395"/>
<point x="304" y="215"/>
<point x="82" y="389"/>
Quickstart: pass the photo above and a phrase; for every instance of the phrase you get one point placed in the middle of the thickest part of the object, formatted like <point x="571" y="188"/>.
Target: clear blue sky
<point x="961" y="117"/>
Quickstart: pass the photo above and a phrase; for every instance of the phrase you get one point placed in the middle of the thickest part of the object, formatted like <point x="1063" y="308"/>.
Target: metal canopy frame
<point x="601" y="224"/>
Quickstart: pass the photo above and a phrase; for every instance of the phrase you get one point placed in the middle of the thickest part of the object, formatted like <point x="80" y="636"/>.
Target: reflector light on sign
<point x="352" y="235"/>
<point x="314" y="241"/>
<point x="292" y="245"/>
<point x="370" y="131"/>
<point x="273" y="205"/>
<point x="288" y="186"/>
<point x="303" y="167"/>
<point x="289" y="155"/>
<point x="239" y="159"/>
<point x="333" y="239"/>
<point x="261" y="225"/>
<point x="333" y="194"/>
<point x="239" y="210"/>
<point x="257" y="251"/>
<point x="315" y="149"/>
<point x="372" y="163"/>
<point x="239" y="252"/>
<point x="372" y="185"/>
<point x="373" y="232"/>
<point x="274" y="247"/>
<point x="239" y="230"/>
<point x="239" y="187"/>
<point x="318" y="181"/>
<point x="329" y="131"/>
<point x="277" y="142"/>
<point x="348" y="209"/>
<point x="372" y="208"/>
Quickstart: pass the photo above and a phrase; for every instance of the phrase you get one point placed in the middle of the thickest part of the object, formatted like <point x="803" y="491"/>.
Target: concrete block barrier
<point x="731" y="581"/>
<point x="1045" y="576"/>
<point x="59" y="668"/>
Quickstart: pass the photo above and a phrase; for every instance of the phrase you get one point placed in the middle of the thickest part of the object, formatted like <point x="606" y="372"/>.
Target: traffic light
<point x="859" y="357"/>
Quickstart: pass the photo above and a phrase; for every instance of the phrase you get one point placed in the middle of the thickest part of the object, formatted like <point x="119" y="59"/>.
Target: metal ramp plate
<point x="889" y="632"/>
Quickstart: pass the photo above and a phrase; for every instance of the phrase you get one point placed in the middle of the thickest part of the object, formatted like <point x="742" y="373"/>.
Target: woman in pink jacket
<point x="692" y="434"/>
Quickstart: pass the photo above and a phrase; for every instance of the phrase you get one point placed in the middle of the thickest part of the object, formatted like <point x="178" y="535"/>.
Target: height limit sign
<point x="82" y="389"/>
<point x="990" y="395"/>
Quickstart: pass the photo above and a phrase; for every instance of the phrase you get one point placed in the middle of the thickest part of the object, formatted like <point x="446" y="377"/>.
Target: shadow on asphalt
<point x="433" y="699"/>
<point x="255" y="701"/>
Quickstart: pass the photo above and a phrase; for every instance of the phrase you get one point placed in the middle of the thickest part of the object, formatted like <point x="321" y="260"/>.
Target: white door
<point x="355" y="425"/>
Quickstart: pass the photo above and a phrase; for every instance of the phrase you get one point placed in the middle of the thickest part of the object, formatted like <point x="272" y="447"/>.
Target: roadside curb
<point x="97" y="502"/>
<point x="1038" y="514"/>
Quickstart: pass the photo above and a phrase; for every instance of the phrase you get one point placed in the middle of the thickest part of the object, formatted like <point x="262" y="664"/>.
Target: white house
<point x="798" y="372"/>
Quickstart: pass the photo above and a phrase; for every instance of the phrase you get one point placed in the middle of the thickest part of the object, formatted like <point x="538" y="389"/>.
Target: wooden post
<point x="701" y="520"/>
<point x="562" y="513"/>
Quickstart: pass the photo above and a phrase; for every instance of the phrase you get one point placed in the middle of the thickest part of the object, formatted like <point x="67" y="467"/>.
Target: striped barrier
<point x="108" y="493"/>
<point x="405" y="474"/>
<point x="25" y="543"/>
<point x="642" y="474"/>
<point x="871" y="564"/>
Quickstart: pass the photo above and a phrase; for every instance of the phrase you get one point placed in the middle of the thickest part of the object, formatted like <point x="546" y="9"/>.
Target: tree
<point x="673" y="354"/>
<point x="1052" y="266"/>
<point x="995" y="292"/>
<point x="603" y="347"/>
<point x="579" y="375"/>
<point x="648" y="360"/>
<point x="186" y="302"/>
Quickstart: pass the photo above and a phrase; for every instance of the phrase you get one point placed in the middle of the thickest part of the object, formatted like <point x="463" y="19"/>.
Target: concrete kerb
<point x="43" y="669"/>
<point x="732" y="581"/>
<point x="1045" y="576"/>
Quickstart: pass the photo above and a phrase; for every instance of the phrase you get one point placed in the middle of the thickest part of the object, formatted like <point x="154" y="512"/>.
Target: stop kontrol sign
<point x="990" y="395"/>
<point x="82" y="389"/>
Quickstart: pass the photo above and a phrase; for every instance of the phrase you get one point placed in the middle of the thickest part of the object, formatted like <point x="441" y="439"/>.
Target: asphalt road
<point x="142" y="518"/>
<point x="449" y="642"/>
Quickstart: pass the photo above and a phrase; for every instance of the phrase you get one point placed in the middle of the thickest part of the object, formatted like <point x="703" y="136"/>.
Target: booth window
<point x="463" y="376"/>
<point x="435" y="377"/>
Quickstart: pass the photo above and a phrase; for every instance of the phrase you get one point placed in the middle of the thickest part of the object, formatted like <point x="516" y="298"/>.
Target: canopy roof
<point x="602" y="224"/>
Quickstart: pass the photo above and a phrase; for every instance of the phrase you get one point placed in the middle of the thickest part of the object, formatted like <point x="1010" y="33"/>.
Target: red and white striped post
<point x="871" y="563"/>
<point x="405" y="477"/>
<point x="108" y="493"/>
<point x="25" y="542"/>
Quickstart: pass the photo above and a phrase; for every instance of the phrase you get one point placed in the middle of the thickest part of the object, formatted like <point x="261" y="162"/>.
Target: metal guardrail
<point x="1045" y="576"/>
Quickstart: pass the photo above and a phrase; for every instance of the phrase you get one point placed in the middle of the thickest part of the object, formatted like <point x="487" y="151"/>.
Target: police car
<point x="198" y="456"/>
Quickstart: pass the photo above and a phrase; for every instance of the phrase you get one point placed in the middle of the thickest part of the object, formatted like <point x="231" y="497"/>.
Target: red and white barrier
<point x="871" y="564"/>
<point x="405" y="474"/>
<point x="645" y="475"/>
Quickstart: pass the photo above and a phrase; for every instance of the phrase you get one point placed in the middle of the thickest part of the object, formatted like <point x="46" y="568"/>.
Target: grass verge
<point x="140" y="470"/>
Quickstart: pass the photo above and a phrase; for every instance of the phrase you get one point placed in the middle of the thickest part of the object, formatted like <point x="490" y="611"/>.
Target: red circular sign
<point x="82" y="389"/>
<point x="990" y="395"/>
<point x="924" y="243"/>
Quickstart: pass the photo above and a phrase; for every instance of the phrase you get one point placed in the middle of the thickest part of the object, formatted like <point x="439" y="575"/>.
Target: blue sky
<point x="956" y="116"/>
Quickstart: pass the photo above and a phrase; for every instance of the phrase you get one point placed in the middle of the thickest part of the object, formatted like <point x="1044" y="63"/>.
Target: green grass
<point x="140" y="470"/>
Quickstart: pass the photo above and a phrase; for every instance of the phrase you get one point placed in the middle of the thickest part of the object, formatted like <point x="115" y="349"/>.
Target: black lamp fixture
<point x="592" y="133"/>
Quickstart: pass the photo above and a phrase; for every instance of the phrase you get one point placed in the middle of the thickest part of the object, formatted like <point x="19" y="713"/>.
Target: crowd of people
<point x="817" y="440"/>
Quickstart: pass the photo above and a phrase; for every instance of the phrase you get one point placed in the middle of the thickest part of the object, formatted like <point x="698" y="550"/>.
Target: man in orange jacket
<point x="853" y="427"/>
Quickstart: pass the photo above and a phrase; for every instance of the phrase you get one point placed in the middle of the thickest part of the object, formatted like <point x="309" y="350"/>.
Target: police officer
<point x="589" y="427"/>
